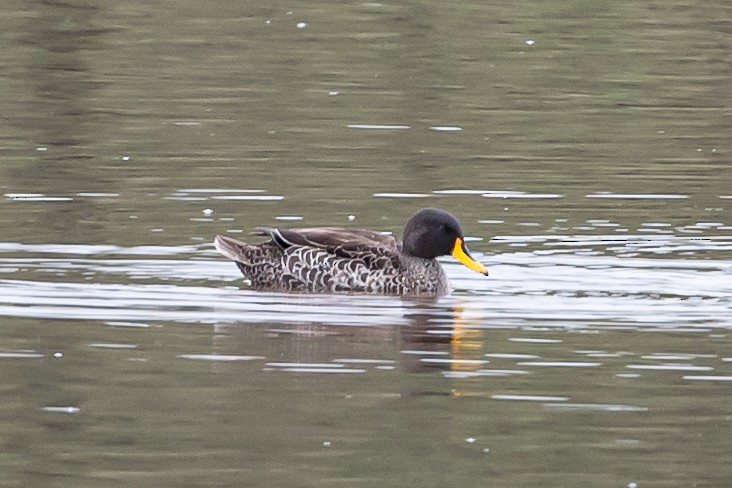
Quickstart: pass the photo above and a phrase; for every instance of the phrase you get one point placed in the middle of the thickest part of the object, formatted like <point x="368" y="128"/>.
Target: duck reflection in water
<point x="442" y="338"/>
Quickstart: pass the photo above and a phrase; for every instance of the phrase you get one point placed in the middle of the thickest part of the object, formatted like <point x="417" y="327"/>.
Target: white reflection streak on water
<point x="561" y="290"/>
<point x="183" y="303"/>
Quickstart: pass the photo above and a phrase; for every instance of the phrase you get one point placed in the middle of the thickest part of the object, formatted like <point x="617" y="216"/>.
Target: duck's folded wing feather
<point x="330" y="238"/>
<point x="376" y="251"/>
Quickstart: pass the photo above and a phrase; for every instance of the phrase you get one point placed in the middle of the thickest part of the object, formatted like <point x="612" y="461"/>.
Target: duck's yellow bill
<point x="460" y="252"/>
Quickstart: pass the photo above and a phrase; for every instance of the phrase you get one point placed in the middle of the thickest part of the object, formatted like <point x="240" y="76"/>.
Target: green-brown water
<point x="585" y="148"/>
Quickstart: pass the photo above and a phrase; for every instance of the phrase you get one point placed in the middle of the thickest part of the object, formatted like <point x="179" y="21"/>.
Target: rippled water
<point x="585" y="149"/>
<point x="578" y="281"/>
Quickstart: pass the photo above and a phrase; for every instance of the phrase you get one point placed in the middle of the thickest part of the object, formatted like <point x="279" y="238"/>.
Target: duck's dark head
<point x="432" y="232"/>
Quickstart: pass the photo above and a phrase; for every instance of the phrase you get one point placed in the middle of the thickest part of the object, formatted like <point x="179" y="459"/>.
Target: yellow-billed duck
<point x="330" y="259"/>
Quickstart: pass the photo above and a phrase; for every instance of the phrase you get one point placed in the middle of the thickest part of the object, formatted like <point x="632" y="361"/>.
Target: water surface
<point x="585" y="149"/>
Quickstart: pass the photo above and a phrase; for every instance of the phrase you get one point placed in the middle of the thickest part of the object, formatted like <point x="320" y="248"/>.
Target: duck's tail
<point x="232" y="248"/>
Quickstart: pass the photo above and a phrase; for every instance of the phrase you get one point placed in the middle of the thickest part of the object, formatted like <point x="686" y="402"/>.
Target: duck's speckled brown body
<point x="353" y="260"/>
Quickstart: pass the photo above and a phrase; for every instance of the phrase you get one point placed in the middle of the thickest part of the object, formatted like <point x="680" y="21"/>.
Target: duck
<point x="345" y="260"/>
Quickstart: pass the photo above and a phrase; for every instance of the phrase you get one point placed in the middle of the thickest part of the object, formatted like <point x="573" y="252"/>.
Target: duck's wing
<point x="331" y="238"/>
<point x="375" y="251"/>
